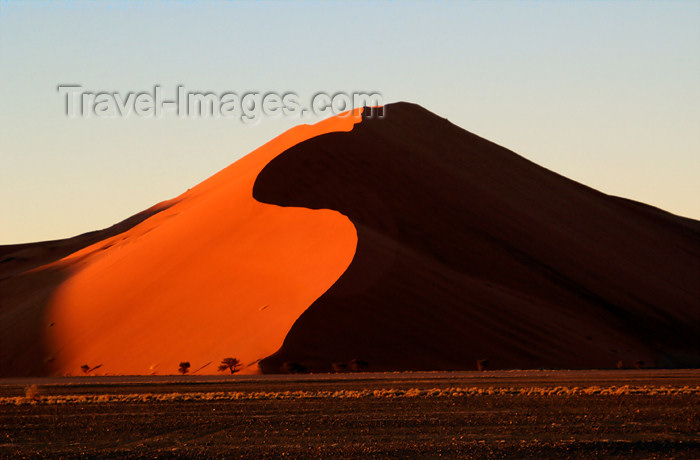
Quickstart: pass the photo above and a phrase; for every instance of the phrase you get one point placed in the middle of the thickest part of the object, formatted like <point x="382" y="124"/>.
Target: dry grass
<point x="31" y="393"/>
<point x="453" y="392"/>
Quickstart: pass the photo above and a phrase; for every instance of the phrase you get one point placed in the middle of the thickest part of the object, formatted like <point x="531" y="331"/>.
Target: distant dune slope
<point x="25" y="293"/>
<point x="209" y="275"/>
<point x="468" y="251"/>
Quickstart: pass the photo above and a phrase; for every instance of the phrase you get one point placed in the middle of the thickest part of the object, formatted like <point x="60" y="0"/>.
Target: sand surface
<point x="615" y="414"/>
<point x="403" y="241"/>
<point x="468" y="251"/>
<point x="212" y="274"/>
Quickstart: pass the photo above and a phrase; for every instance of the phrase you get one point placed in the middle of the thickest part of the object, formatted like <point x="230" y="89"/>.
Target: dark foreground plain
<point x="522" y="414"/>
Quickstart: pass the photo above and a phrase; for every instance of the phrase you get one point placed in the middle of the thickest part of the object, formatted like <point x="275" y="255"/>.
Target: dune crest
<point x="214" y="275"/>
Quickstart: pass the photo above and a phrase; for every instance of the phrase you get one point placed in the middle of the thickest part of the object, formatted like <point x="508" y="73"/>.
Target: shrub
<point x="358" y="365"/>
<point x="293" y="368"/>
<point x="340" y="367"/>
<point x="184" y="367"/>
<point x="232" y="364"/>
<point x="482" y="364"/>
<point x="639" y="364"/>
<point x="85" y="368"/>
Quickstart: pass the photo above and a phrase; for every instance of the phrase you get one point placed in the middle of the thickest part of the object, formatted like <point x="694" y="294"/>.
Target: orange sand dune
<point x="214" y="275"/>
<point x="403" y="240"/>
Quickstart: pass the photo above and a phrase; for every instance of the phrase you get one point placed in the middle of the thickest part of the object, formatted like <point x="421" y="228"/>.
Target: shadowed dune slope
<point x="468" y="251"/>
<point x="208" y="275"/>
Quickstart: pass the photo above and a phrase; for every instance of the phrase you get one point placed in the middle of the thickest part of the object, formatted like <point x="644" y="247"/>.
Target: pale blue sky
<point x="605" y="93"/>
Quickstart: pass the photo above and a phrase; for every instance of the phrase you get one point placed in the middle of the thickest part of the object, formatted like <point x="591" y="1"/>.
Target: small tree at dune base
<point x="232" y="364"/>
<point x="184" y="367"/>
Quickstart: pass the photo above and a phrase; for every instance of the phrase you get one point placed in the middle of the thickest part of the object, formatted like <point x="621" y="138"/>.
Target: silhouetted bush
<point x="85" y="368"/>
<point x="358" y="365"/>
<point x="231" y="364"/>
<point x="639" y="364"/>
<point x="293" y="368"/>
<point x="184" y="367"/>
<point x="482" y="364"/>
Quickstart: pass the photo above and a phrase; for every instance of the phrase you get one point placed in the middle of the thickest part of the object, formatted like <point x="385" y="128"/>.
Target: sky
<point x="605" y="93"/>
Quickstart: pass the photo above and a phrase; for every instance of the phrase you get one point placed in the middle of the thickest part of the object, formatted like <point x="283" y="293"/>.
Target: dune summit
<point x="468" y="251"/>
<point x="404" y="241"/>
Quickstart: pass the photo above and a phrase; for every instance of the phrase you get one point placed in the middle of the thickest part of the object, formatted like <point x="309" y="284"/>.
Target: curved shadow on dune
<point x="467" y="251"/>
<point x="218" y="275"/>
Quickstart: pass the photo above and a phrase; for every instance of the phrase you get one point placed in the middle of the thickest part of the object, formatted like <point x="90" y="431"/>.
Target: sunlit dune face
<point x="216" y="275"/>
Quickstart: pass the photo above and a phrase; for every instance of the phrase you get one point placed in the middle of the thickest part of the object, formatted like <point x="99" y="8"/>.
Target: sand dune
<point x="468" y="251"/>
<point x="212" y="274"/>
<point x="404" y="241"/>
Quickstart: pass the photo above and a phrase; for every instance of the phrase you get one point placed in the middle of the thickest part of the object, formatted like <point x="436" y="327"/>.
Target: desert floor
<point x="493" y="414"/>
